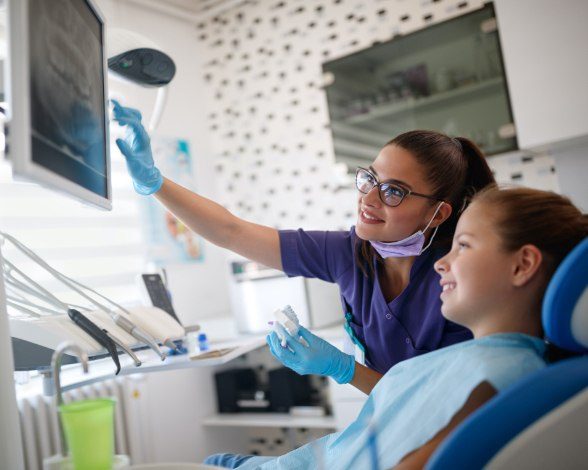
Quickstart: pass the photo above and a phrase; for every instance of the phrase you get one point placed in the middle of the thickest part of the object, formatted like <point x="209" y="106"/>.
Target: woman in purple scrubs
<point x="409" y="201"/>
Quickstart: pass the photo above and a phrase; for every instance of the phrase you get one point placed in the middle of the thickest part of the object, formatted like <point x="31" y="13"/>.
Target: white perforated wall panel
<point x="272" y="144"/>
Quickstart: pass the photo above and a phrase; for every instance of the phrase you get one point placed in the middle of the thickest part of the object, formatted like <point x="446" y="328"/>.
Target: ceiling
<point x="195" y="6"/>
<point x="189" y="10"/>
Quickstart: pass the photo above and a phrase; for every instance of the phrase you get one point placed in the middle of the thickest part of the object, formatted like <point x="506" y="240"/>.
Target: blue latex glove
<point x="136" y="148"/>
<point x="320" y="358"/>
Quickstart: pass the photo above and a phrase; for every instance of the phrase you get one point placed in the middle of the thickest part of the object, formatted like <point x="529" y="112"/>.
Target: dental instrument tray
<point x="34" y="339"/>
<point x="40" y="321"/>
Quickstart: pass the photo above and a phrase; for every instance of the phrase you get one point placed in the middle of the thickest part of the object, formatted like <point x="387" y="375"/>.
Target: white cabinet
<point x="545" y="53"/>
<point x="256" y="291"/>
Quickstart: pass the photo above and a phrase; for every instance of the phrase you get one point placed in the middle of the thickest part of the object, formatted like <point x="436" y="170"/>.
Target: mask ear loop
<point x="436" y="228"/>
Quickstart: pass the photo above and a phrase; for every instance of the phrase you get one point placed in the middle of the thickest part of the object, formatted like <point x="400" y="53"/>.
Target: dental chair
<point x="539" y="422"/>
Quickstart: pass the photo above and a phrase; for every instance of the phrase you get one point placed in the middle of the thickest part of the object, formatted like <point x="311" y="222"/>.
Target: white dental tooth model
<point x="289" y="320"/>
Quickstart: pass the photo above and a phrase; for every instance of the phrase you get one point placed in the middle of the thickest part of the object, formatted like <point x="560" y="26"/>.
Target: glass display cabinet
<point x="447" y="77"/>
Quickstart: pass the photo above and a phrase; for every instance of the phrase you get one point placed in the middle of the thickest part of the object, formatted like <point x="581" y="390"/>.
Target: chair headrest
<point x="565" y="305"/>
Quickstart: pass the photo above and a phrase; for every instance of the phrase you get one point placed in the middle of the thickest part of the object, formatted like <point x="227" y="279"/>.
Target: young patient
<point x="507" y="245"/>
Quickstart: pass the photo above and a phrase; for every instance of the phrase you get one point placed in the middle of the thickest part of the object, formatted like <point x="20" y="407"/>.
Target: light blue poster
<point x="168" y="239"/>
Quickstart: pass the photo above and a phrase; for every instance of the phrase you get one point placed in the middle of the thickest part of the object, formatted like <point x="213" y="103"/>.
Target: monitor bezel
<point x="19" y="111"/>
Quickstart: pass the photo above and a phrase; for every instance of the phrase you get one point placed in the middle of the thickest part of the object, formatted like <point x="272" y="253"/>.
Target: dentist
<point x="409" y="201"/>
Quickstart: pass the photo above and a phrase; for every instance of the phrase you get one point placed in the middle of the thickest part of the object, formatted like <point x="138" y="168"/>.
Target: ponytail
<point x="478" y="175"/>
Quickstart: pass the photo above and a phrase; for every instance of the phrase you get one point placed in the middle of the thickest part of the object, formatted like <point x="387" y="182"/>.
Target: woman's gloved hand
<point x="320" y="358"/>
<point x="136" y="148"/>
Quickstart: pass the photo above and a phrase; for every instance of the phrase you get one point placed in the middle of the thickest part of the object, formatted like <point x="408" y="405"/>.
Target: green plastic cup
<point x="89" y="432"/>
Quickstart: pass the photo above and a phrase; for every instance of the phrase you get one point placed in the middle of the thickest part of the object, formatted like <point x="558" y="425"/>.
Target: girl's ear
<point x="527" y="260"/>
<point x="442" y="215"/>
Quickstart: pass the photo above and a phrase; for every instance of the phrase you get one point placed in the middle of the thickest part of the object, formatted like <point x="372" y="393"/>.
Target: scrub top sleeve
<point x="318" y="254"/>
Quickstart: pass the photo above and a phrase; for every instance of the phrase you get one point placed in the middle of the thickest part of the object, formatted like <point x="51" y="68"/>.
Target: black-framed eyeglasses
<point x="391" y="192"/>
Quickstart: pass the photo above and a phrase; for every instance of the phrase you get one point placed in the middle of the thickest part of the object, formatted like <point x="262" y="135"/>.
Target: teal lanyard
<point x="351" y="333"/>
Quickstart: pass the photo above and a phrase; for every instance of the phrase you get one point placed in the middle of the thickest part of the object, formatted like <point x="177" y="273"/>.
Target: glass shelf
<point x="447" y="77"/>
<point x="412" y="105"/>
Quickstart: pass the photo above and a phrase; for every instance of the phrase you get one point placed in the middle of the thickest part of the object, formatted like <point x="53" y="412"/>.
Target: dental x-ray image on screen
<point x="67" y="96"/>
<point x="60" y="123"/>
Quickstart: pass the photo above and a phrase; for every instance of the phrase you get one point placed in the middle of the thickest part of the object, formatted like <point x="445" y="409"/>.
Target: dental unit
<point x="108" y="326"/>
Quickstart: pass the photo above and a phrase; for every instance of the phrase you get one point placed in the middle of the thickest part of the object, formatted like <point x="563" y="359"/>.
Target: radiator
<point x="39" y="426"/>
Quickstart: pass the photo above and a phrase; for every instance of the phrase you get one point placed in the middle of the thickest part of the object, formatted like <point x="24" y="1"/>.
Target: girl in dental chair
<point x="506" y="247"/>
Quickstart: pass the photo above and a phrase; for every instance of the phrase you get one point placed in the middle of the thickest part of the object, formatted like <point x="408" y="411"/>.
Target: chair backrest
<point x="565" y="320"/>
<point x="565" y="305"/>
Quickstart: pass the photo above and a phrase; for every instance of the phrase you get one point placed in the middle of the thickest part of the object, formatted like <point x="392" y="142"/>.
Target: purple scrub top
<point x="410" y="325"/>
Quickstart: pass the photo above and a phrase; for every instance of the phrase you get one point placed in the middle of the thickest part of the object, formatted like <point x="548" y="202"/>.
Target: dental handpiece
<point x="138" y="333"/>
<point x="120" y="343"/>
<point x="170" y="344"/>
<point x="96" y="333"/>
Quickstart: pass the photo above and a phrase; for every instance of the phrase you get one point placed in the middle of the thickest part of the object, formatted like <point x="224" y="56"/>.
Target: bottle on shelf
<point x="203" y="342"/>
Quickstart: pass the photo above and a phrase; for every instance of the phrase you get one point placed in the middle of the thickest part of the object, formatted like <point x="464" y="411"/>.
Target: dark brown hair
<point x="544" y="219"/>
<point x="455" y="167"/>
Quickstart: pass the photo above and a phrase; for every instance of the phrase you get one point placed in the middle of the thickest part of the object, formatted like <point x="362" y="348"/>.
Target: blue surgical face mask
<point x="409" y="246"/>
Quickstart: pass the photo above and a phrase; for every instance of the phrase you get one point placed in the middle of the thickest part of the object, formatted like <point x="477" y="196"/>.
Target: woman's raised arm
<point x="216" y="224"/>
<point x="203" y="216"/>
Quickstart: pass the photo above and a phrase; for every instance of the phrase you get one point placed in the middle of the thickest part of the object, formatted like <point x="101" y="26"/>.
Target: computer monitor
<point x="57" y="97"/>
